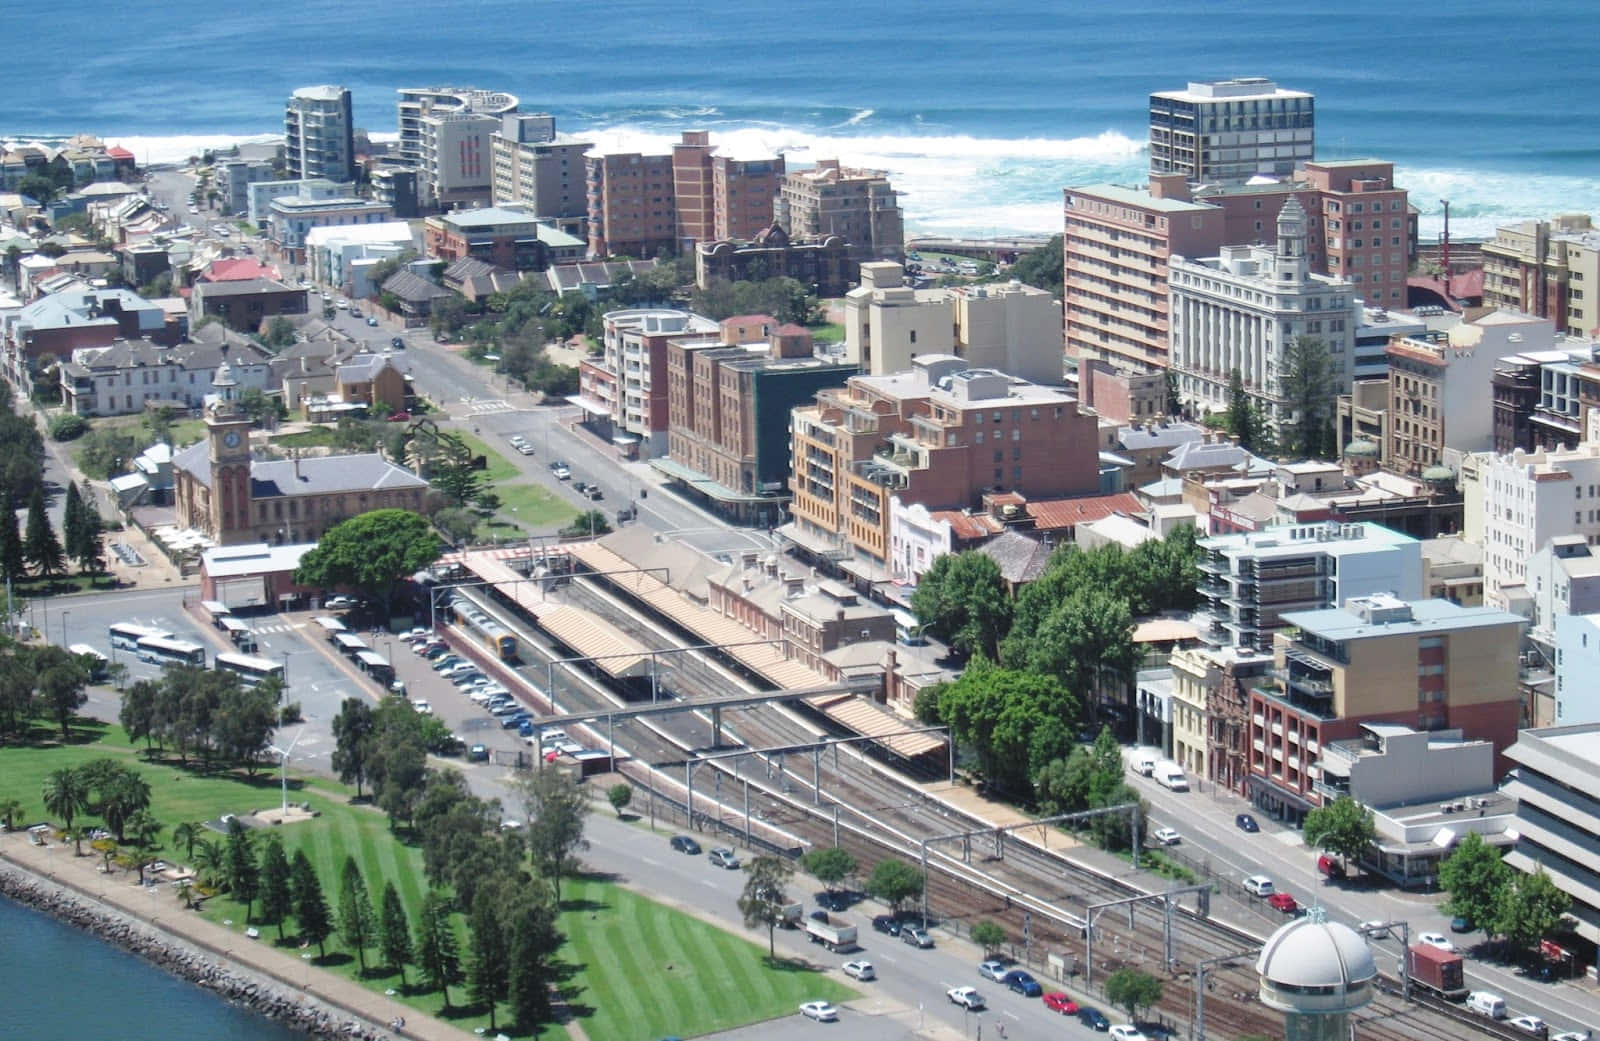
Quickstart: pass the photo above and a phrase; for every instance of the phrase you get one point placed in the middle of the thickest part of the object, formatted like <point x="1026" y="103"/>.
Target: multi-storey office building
<point x="1231" y="130"/>
<point x="319" y="135"/>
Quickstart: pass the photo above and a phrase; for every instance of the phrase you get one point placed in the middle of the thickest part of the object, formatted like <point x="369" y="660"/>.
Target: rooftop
<point x="257" y="558"/>
<point x="1419" y="617"/>
<point x="1140" y="198"/>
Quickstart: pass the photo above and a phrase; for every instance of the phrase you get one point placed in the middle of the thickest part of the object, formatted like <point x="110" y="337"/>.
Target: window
<point x="913" y="336"/>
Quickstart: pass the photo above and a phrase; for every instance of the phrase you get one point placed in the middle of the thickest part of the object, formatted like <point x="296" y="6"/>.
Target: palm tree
<point x="185" y="835"/>
<point x="65" y="795"/>
<point x="74" y="835"/>
<point x="10" y="810"/>
<point x="209" y="862"/>
<point x="146" y="832"/>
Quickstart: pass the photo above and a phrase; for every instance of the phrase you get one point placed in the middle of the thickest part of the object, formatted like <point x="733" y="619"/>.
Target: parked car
<point x="915" y="936"/>
<point x="860" y="970"/>
<point x="1093" y="1018"/>
<point x="397" y="343"/>
<point x="1439" y="940"/>
<point x="1022" y="982"/>
<point x="514" y="720"/>
<point x="1167" y="836"/>
<point x="372" y="321"/>
<point x="525" y="448"/>
<point x="1461" y="924"/>
<point x="336" y="602"/>
<point x="1126" y="1032"/>
<point x="724" y="857"/>
<point x="422" y="707"/>
<point x="517" y="439"/>
<point x="994" y="969"/>
<point x="684" y="844"/>
<point x="886" y="924"/>
<point x="967" y="997"/>
<point x="1258" y="885"/>
<point x="1375" y="928"/>
<point x="478" y="753"/>
<point x="562" y="471"/>
<point x="438" y="652"/>
<point x="1283" y="902"/>
<point x="821" y="1011"/>
<point x="1245" y="822"/>
<point x="1529" y="1024"/>
<point x="1058" y="1001"/>
<point x="1330" y="867"/>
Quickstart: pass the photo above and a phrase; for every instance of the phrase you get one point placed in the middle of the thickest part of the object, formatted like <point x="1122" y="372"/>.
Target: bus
<point x="483" y="628"/>
<point x="126" y="635"/>
<point x="163" y="650"/>
<point x="99" y="667"/>
<point x="250" y="670"/>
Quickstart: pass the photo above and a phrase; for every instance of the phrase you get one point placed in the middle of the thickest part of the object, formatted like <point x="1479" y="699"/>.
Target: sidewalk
<point x="157" y="909"/>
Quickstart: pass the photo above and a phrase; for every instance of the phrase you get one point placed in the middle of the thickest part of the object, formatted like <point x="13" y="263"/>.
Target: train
<point x="476" y="621"/>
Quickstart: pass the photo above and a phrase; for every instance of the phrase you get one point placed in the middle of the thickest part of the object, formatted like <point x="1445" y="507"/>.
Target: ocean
<point x="63" y="985"/>
<point x="980" y="115"/>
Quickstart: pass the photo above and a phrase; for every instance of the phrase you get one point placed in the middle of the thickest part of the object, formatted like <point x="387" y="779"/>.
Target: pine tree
<point x="358" y="923"/>
<point x="394" y="933"/>
<point x="488" y="970"/>
<point x="40" y="546"/>
<point x="437" y="955"/>
<point x="310" y="907"/>
<point x="277" y="896"/>
<point x="12" y="562"/>
<point x="244" y="875"/>
<point x="534" y="940"/>
<point x="72" y="521"/>
<point x="91" y="552"/>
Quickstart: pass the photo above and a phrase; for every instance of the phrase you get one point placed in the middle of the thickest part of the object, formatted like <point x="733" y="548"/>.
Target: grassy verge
<point x="312" y="437"/>
<point x="535" y="506"/>
<point x="828" y="332"/>
<point x="499" y="467"/>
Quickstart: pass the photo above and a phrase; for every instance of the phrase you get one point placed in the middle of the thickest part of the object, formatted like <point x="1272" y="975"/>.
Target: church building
<point x="220" y="490"/>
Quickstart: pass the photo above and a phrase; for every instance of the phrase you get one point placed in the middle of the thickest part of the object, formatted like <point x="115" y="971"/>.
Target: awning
<point x="708" y="486"/>
<point x="593" y="406"/>
<point x="214" y="607"/>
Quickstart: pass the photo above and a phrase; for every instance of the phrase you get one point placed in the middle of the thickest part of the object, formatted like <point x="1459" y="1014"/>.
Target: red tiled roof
<point x="791" y="329"/>
<point x="238" y="269"/>
<point x="966" y="525"/>
<point x="118" y="152"/>
<point x="748" y="319"/>
<point x="1051" y="514"/>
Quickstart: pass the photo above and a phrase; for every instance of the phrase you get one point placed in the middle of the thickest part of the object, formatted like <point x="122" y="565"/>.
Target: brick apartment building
<point x="858" y="205"/>
<point x="823" y="264"/>
<point x="632" y="207"/>
<point x="508" y="238"/>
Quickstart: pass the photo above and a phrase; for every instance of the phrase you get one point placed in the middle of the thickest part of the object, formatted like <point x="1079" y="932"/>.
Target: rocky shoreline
<point x="258" y="993"/>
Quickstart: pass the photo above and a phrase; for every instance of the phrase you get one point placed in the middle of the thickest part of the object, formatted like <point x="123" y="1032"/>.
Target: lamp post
<point x="285" y="667"/>
<point x="64" y="614"/>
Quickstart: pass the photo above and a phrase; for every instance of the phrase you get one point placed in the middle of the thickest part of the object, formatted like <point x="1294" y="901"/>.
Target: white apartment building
<point x="1013" y="328"/>
<point x="259" y="194"/>
<point x="319" y="135"/>
<point x="1228" y="131"/>
<point x="1577" y="641"/>
<point x="444" y="135"/>
<point x="1558" y="814"/>
<point x="331" y="253"/>
<point x="635" y="353"/>
<point x="1243" y="310"/>
<point x="1523" y="500"/>
<point x="291" y="218"/>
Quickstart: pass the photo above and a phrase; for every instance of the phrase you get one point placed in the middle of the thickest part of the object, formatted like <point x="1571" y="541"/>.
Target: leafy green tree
<point x="17" y="701"/>
<point x="280" y="333"/>
<point x="313" y="920"/>
<point x="60" y="684"/>
<point x="988" y="935"/>
<point x="1041" y="267"/>
<point x="65" y="794"/>
<point x="245" y="720"/>
<point x="210" y="863"/>
<point x="1242" y="420"/>
<point x="555" y="812"/>
<point x="394" y="933"/>
<point x="243" y="873"/>
<point x="453" y="473"/>
<point x="1174" y="399"/>
<point x="40" y="546"/>
<point x="1343" y="827"/>
<point x="763" y="899"/>
<point x="1474" y="876"/>
<point x="456" y="523"/>
<point x="277" y="890"/>
<point x="68" y="426"/>
<point x="592" y="523"/>
<point x="144" y="833"/>
<point x="438" y="956"/>
<point x="830" y="865"/>
<point x="962" y="600"/>
<point x="1014" y="722"/>
<point x="894" y="882"/>
<point x="1529" y="908"/>
<point x="260" y="406"/>
<point x="138" y="712"/>
<point x="38" y="187"/>
<point x="620" y="795"/>
<point x="353" y="730"/>
<point x="1086" y="640"/>
<point x="358" y="923"/>
<point x="1308" y="389"/>
<point x="489" y="959"/>
<point x="13" y="562"/>
<point x="89" y="548"/>
<point x="104" y="453"/>
<point x="185" y="835"/>
<point x="120" y="793"/>
<point x="534" y="942"/>
<point x="1132" y="990"/>
<point x="373" y="553"/>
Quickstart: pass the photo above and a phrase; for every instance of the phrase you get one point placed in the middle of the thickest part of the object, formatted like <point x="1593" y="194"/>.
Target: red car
<point x="1283" y="902"/>
<point x="1056" y="1001"/>
<point x="400" y="417"/>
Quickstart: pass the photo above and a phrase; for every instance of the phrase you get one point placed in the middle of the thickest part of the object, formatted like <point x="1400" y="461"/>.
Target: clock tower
<point x="228" y="433"/>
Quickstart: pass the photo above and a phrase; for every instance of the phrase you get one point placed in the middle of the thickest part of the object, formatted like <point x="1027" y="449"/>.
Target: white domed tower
<point x="1316" y="972"/>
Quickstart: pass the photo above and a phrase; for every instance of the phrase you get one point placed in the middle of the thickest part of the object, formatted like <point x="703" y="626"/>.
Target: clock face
<point x="231" y="439"/>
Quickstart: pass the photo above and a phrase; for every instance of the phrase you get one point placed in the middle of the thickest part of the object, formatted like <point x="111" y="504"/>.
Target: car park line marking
<point x="1013" y="1015"/>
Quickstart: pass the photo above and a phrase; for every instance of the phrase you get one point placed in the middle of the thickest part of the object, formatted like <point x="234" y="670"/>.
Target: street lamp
<point x="285" y="667"/>
<point x="64" y="614"/>
<point x="283" y="754"/>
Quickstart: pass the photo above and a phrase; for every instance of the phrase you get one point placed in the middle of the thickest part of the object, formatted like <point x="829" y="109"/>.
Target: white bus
<point x="99" y="663"/>
<point x="250" y="670"/>
<point x="126" y="635"/>
<point x="163" y="650"/>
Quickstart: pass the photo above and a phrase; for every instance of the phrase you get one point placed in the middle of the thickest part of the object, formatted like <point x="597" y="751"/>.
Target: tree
<point x="13" y="562"/>
<point x="314" y="923"/>
<point x="61" y="682"/>
<point x="120" y="793"/>
<point x="243" y="874"/>
<point x="1474" y="876"/>
<point x="353" y="731"/>
<point x="65" y="794"/>
<point x="894" y="882"/>
<point x="72" y="519"/>
<point x="358" y="923"/>
<point x="39" y="188"/>
<point x="830" y="866"/>
<point x="17" y="701"/>
<point x="534" y="941"/>
<point x="210" y="863"/>
<point x="185" y="835"/>
<point x="1041" y="267"/>
<point x="962" y="600"/>
<point x="555" y="811"/>
<point x="372" y="552"/>
<point x="1308" y="389"/>
<point x="1343" y="827"/>
<point x="10" y="810"/>
<point x="1014" y="722"/>
<point x="456" y="523"/>
<point x="988" y="935"/>
<point x="280" y="333"/>
<point x="1174" y="401"/>
<point x="1132" y="990"/>
<point x="244" y="721"/>
<point x="146" y="833"/>
<point x="489" y="964"/>
<point x="591" y="523"/>
<point x="394" y="933"/>
<point x="437" y="955"/>
<point x="277" y="891"/>
<point x="763" y="899"/>
<point x="1529" y="909"/>
<point x="620" y="795"/>
<point x="40" y="547"/>
<point x="1241" y="412"/>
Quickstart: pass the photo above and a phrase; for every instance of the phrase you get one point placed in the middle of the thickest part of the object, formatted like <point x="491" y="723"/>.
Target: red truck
<point x="1436" y="970"/>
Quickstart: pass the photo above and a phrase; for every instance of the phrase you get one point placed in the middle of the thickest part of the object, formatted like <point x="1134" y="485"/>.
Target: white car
<point x="562" y="473"/>
<point x="860" y="970"/>
<point x="821" y="1011"/>
<point x="1167" y="836"/>
<point x="1126" y="1032"/>
<point x="1570" y="1035"/>
<point x="1528" y="1024"/>
<point x="1439" y="940"/>
<point x="1377" y="929"/>
<point x="422" y="707"/>
<point x="994" y="969"/>
<point x="724" y="857"/>
<point x="967" y="997"/>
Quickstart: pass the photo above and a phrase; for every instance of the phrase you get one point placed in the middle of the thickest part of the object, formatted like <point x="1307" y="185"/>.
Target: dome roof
<point x="1362" y="448"/>
<point x="1311" y="953"/>
<point x="1438" y="473"/>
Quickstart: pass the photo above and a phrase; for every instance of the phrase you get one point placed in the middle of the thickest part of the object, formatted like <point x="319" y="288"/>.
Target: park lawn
<point x="827" y="332"/>
<point x="498" y="467"/>
<point x="645" y="970"/>
<point x="535" y="505"/>
<point x="311" y="437"/>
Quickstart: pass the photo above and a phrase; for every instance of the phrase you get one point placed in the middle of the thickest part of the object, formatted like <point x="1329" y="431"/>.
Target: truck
<point x="1438" y="971"/>
<point x="1170" y="776"/>
<point x="835" y="935"/>
<point x="790" y="915"/>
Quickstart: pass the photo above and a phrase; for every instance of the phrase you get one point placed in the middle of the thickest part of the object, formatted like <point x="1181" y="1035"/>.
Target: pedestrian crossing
<point x="484" y="408"/>
<point x="276" y="627"/>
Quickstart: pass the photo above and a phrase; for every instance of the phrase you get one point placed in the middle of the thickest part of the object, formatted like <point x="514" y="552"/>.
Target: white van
<point x="1144" y="760"/>
<point x="1486" y="1004"/>
<point x="1258" y="885"/>
<point x="1170" y="776"/>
